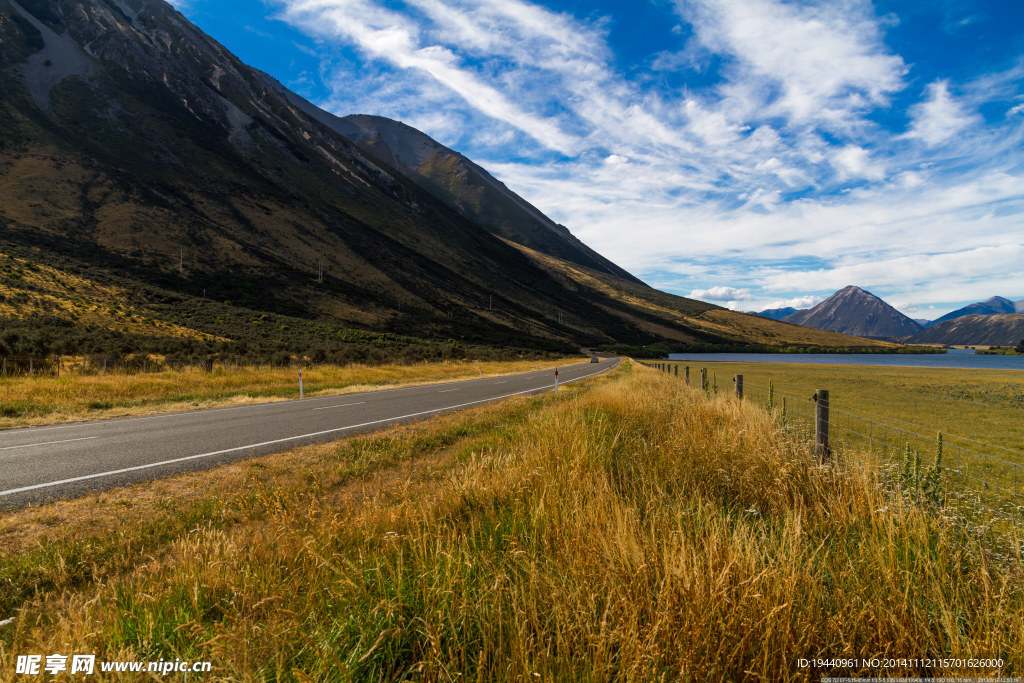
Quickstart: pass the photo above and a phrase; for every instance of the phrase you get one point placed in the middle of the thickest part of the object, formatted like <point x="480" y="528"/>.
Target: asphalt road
<point x="42" y="464"/>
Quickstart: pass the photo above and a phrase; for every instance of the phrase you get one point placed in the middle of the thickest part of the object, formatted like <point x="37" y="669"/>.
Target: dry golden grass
<point x="626" y="529"/>
<point x="30" y="401"/>
<point x="31" y="289"/>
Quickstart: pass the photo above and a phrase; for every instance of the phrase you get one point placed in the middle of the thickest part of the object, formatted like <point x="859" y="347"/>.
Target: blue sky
<point x="755" y="153"/>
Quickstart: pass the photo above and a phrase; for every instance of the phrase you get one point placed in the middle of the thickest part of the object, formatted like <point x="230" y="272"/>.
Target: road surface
<point x="42" y="464"/>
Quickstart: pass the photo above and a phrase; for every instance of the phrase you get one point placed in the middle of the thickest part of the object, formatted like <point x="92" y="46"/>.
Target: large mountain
<point x="136" y="151"/>
<point x="460" y="182"/>
<point x="854" y="311"/>
<point x="981" y="330"/>
<point x="996" y="305"/>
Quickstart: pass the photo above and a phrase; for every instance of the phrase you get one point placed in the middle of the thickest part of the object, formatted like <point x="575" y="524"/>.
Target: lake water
<point x="954" y="358"/>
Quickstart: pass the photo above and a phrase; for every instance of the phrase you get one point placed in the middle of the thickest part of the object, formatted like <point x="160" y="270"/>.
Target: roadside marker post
<point x="556" y="379"/>
<point x="300" y="382"/>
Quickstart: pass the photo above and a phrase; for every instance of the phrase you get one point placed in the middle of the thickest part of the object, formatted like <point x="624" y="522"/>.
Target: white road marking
<point x="47" y="443"/>
<point x="445" y="391"/>
<point x="136" y="468"/>
<point x="204" y="411"/>
<point x="343" y="405"/>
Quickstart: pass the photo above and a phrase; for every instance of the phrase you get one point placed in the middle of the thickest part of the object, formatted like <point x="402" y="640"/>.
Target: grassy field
<point x="897" y="413"/>
<point x="976" y="405"/>
<point x="627" y="528"/>
<point x="28" y="401"/>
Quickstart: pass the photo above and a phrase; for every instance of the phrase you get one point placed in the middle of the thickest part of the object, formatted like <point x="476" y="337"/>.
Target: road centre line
<point x="136" y="468"/>
<point x="446" y="391"/>
<point x="48" y="443"/>
<point x="343" y="405"/>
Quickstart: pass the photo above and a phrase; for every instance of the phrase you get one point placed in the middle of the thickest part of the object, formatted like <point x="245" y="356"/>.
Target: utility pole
<point x="490" y="304"/>
<point x="320" y="271"/>
<point x="181" y="261"/>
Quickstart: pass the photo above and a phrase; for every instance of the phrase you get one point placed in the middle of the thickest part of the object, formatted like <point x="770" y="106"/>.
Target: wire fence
<point x="978" y="484"/>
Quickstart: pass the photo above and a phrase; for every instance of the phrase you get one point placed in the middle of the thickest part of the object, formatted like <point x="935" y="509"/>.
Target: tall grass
<point x="629" y="529"/>
<point x="49" y="400"/>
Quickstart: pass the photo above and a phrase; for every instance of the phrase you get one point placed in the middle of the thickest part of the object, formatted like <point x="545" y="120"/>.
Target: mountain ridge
<point x="991" y="329"/>
<point x="992" y="305"/>
<point x="852" y="310"/>
<point x="165" y="161"/>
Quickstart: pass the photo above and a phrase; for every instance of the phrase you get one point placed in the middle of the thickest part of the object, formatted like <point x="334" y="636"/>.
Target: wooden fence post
<point x="821" y="447"/>
<point x="739" y="386"/>
<point x="704" y="379"/>
<point x="677" y="369"/>
<point x="686" y="375"/>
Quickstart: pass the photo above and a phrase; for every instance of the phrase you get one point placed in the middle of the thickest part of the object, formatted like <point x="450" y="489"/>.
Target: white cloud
<point x="798" y="302"/>
<point x="390" y="36"/>
<point x="939" y="117"/>
<point x="769" y="183"/>
<point x="828" y="60"/>
<point x="855" y="162"/>
<point x="721" y="294"/>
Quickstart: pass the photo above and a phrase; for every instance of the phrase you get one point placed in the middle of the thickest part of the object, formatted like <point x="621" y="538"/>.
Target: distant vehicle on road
<point x="595" y="359"/>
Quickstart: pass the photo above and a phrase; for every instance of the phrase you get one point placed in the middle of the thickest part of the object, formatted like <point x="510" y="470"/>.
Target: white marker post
<point x="300" y="382"/>
<point x="556" y="379"/>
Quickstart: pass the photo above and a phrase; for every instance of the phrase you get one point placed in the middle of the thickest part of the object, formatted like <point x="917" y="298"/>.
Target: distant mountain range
<point x="993" y="329"/>
<point x="851" y="310"/>
<point x="997" y="305"/>
<point x="854" y="311"/>
<point x="776" y="313"/>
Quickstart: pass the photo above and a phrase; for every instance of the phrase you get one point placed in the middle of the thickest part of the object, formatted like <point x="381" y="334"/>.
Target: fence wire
<point x="980" y="490"/>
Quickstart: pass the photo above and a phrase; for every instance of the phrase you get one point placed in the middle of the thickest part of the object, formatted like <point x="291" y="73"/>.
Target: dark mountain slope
<point x="854" y="311"/>
<point x="136" y="149"/>
<point x="159" y="143"/>
<point x="982" y="330"/>
<point x="994" y="305"/>
<point x="461" y="183"/>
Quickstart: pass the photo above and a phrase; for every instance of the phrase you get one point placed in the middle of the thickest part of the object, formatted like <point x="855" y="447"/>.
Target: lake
<point x="954" y="358"/>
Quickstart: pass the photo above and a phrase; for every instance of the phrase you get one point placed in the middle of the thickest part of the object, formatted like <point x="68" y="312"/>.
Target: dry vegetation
<point x="29" y="290"/>
<point x="28" y="401"/>
<point x="628" y="528"/>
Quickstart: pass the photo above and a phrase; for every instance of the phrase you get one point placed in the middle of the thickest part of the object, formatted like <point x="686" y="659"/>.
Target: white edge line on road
<point x="276" y="441"/>
<point x="48" y="443"/>
<point x="287" y="401"/>
<point x="448" y="391"/>
<point x="359" y="403"/>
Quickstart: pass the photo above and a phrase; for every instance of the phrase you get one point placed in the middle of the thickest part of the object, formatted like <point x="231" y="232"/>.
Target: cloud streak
<point x="800" y="154"/>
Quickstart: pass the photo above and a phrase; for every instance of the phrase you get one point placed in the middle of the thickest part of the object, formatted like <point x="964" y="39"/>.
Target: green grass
<point x="627" y="528"/>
